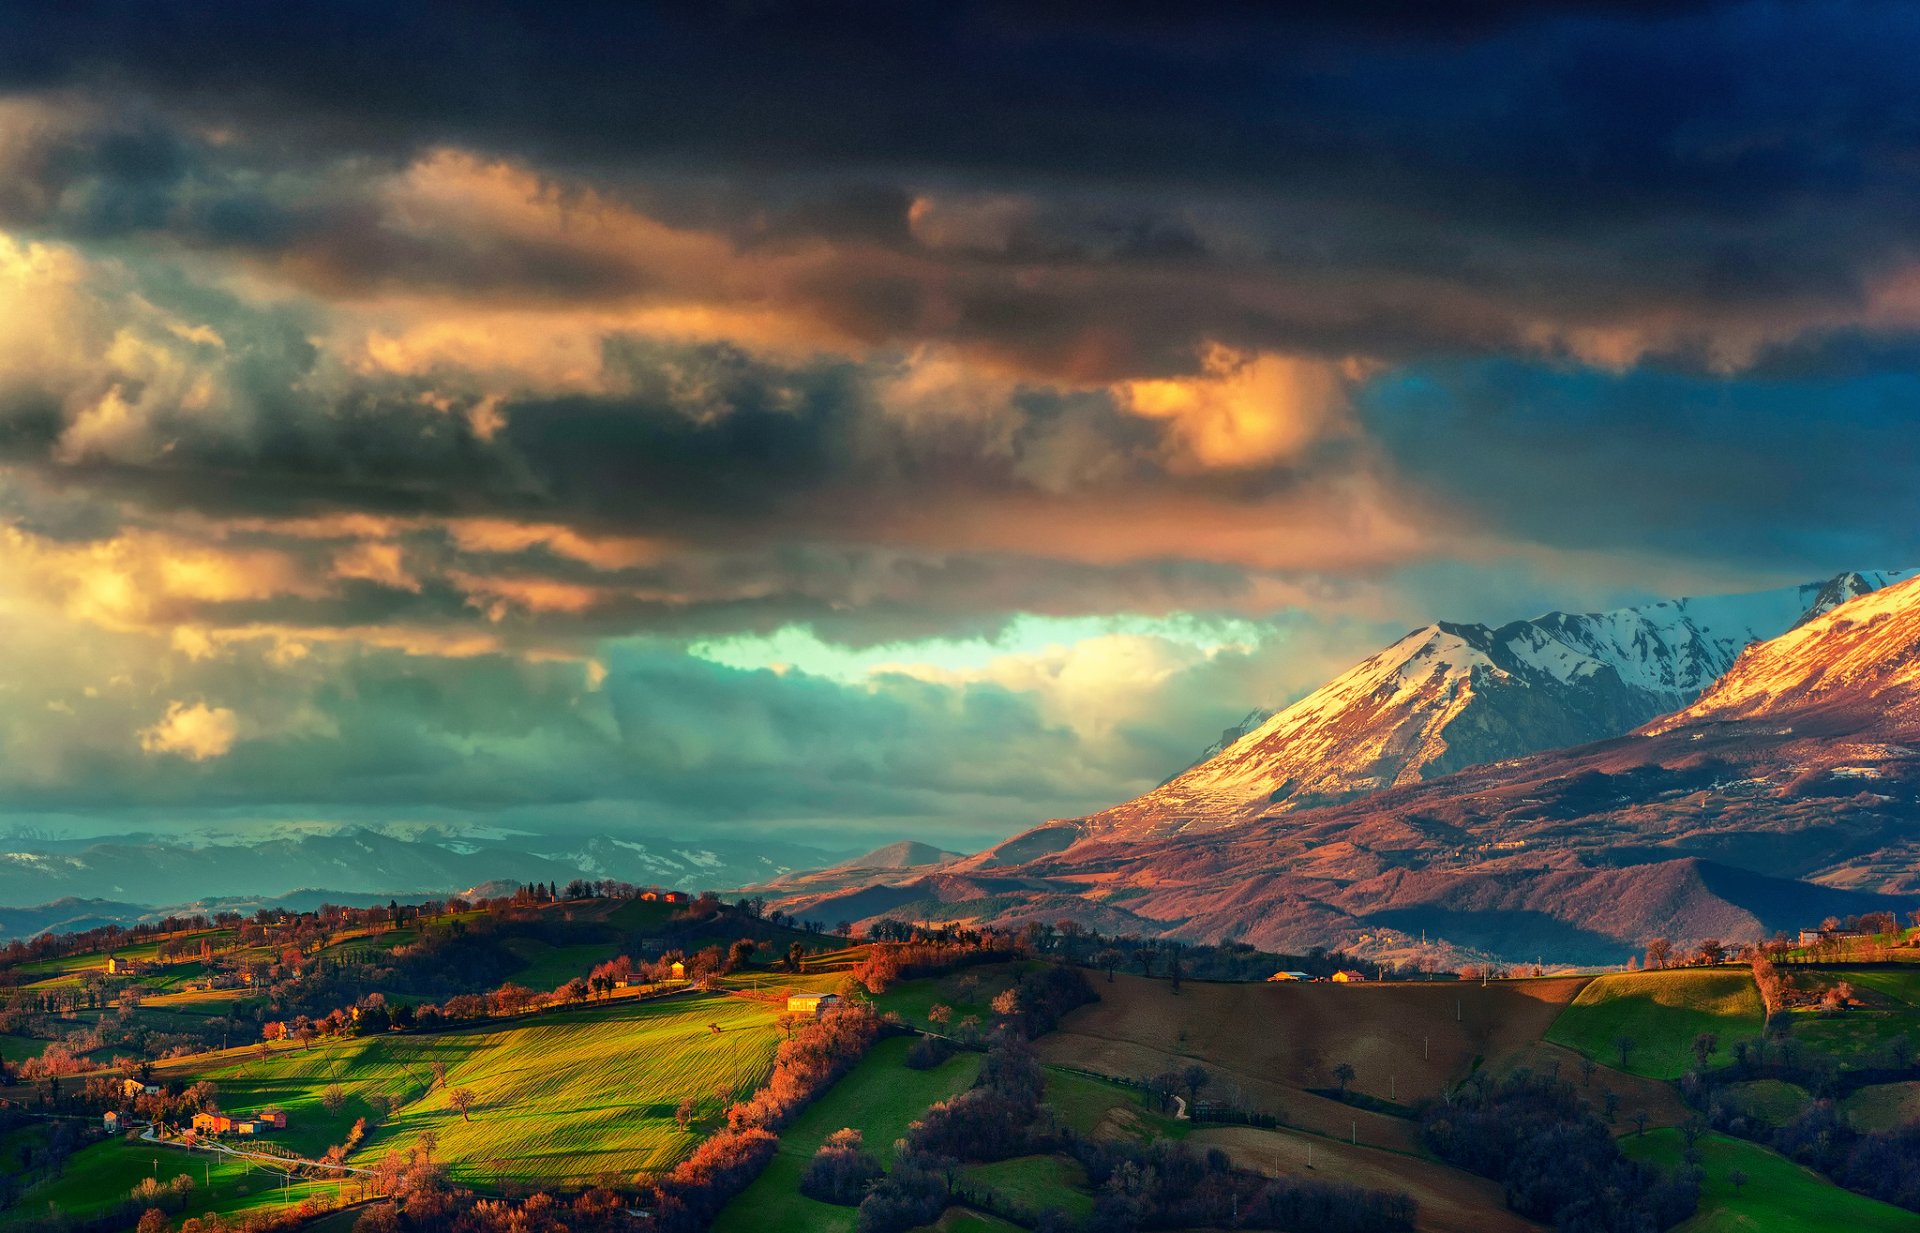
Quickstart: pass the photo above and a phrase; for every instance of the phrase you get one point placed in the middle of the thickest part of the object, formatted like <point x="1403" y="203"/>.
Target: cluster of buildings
<point x="221" y="1123"/>
<point x="1345" y="976"/>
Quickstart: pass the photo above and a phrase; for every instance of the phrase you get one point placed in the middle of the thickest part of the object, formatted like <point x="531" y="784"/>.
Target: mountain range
<point x="79" y="883"/>
<point x="1566" y="787"/>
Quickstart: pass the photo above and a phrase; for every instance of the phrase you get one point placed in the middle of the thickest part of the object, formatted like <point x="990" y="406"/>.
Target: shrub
<point x="840" y="1172"/>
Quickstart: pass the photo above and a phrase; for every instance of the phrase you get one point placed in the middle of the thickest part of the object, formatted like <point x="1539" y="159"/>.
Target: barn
<point x="812" y="1005"/>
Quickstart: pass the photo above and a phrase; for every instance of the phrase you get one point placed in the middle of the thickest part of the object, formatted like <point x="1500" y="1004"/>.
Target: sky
<point x="860" y="421"/>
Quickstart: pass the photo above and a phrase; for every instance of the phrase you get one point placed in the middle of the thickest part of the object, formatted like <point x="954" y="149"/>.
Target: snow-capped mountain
<point x="1863" y="657"/>
<point x="1447" y="697"/>
<point x="1788" y="792"/>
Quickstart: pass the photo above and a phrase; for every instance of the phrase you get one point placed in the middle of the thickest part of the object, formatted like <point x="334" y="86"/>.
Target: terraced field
<point x="1661" y="1013"/>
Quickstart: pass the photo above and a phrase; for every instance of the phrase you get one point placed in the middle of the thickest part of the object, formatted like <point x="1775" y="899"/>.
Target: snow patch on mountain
<point x="1448" y="696"/>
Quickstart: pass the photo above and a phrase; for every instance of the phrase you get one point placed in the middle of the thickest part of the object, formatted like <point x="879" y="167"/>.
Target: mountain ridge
<point x="1448" y="696"/>
<point x="1787" y="792"/>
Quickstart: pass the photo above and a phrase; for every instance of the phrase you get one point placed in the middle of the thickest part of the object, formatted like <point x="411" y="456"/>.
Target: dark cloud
<point x="367" y="371"/>
<point x="1392" y="183"/>
<point x="1790" y="473"/>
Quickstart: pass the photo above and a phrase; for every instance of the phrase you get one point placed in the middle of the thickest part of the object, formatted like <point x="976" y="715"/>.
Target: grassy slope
<point x="1779" y="1197"/>
<point x="969" y="991"/>
<point x="1662" y="1012"/>
<point x="966" y="1220"/>
<point x="561" y="1097"/>
<point x="1034" y="1184"/>
<point x="1772" y="1101"/>
<point x="880" y="1097"/>
<point x="1095" y="1106"/>
<point x="101" y="1175"/>
<point x="1883" y="1106"/>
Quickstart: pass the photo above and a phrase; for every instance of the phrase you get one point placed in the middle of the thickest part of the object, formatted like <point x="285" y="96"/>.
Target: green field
<point x="1883" y="1106"/>
<point x="969" y="991"/>
<point x="20" y="1048"/>
<point x="966" y="1220"/>
<point x="1031" y="1184"/>
<point x="880" y="1098"/>
<point x="1662" y="1012"/>
<point x="561" y="1098"/>
<point x="1778" y="1197"/>
<point x="100" y="1176"/>
<point x="1767" y="1100"/>
<point x="549" y="967"/>
<point x="1089" y="1106"/>
<point x="1901" y="985"/>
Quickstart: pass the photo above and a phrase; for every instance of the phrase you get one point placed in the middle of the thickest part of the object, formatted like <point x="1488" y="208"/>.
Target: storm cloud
<point x="395" y="399"/>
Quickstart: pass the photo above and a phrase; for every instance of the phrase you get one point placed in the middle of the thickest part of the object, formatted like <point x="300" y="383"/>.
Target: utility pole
<point x="1353" y="1132"/>
<point x="1426" y="1048"/>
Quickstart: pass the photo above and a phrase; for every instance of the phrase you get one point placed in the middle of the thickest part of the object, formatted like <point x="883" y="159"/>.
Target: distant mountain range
<point x="905" y="859"/>
<point x="83" y="883"/>
<point x="1784" y="792"/>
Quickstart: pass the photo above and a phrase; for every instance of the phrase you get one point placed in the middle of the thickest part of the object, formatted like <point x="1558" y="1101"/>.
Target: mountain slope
<point x="1448" y="696"/>
<point x="1787" y="792"/>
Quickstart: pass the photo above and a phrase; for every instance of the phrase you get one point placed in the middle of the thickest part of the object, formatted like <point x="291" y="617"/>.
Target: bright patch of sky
<point x="798" y="648"/>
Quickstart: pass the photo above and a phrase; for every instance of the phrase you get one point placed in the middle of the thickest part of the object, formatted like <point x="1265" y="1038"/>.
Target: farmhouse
<point x="1347" y="976"/>
<point x="812" y="1004"/>
<point x="111" y="1121"/>
<point x="133" y="1087"/>
<point x="1289" y="976"/>
<point x="212" y="1123"/>
<point x="116" y="966"/>
<point x="679" y="970"/>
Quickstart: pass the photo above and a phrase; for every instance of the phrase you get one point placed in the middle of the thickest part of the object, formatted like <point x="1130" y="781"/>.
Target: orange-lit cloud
<point x="375" y="561"/>
<point x="194" y="731"/>
<point x="605" y="552"/>
<point x="1244" y="410"/>
<point x="140" y="579"/>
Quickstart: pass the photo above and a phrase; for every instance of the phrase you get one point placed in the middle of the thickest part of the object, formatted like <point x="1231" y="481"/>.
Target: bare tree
<point x="462" y="1098"/>
<point x="1343" y="1074"/>
<point x="1624" y="1043"/>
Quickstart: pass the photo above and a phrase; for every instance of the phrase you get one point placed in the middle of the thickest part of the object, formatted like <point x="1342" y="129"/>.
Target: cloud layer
<point x="390" y="396"/>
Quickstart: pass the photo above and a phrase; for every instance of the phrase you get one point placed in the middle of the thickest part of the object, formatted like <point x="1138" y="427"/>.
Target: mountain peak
<point x="1450" y="695"/>
<point x="1861" y="654"/>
